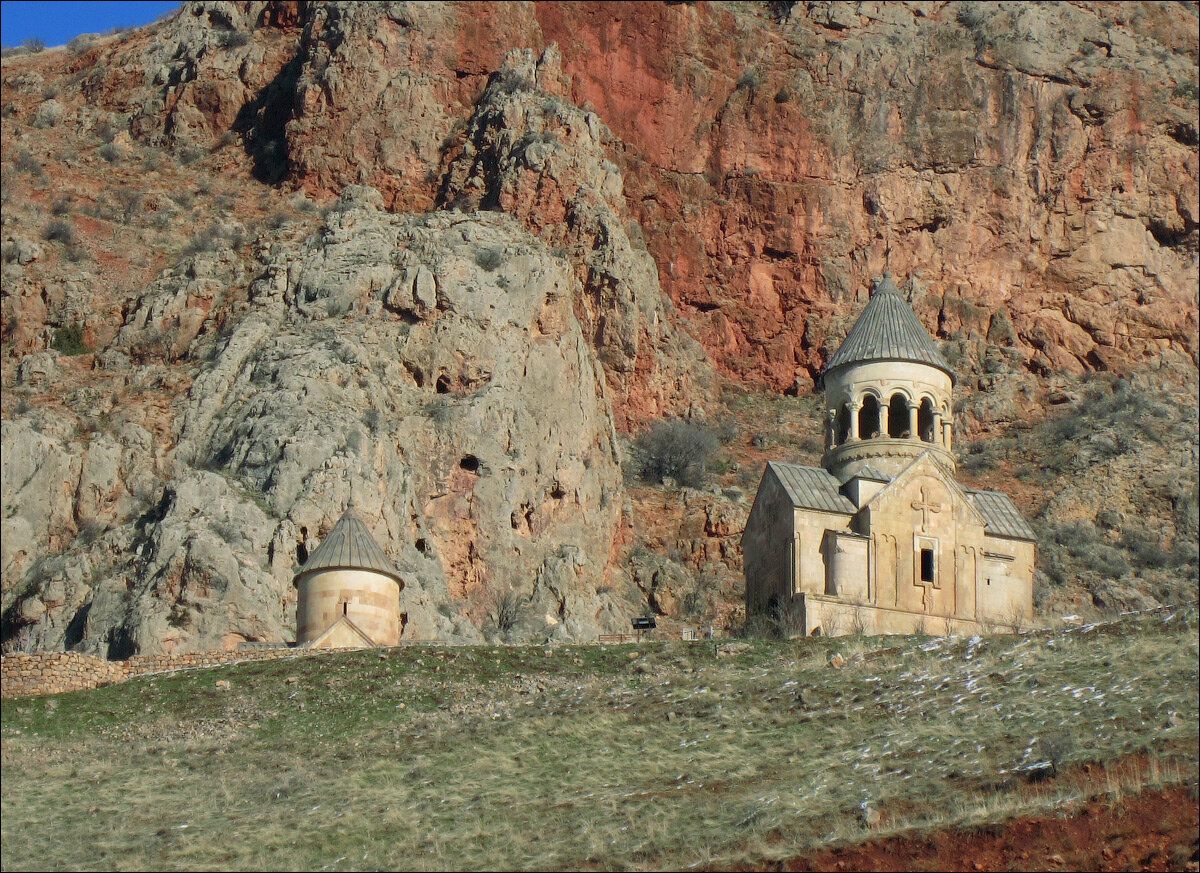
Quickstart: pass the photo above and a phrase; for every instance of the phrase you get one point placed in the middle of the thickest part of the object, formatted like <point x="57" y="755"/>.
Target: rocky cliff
<point x="449" y="257"/>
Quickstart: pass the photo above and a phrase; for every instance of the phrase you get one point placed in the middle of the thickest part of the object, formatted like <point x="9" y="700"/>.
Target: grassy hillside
<point x="659" y="756"/>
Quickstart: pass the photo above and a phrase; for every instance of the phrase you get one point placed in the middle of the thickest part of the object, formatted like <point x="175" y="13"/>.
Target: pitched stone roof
<point x="1001" y="515"/>
<point x="888" y="330"/>
<point x="866" y="471"/>
<point x="349" y="546"/>
<point x="812" y="488"/>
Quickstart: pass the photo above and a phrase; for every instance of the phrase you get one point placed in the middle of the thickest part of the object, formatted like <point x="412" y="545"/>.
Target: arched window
<point x="925" y="420"/>
<point x="868" y="418"/>
<point x="843" y="423"/>
<point x="898" y="416"/>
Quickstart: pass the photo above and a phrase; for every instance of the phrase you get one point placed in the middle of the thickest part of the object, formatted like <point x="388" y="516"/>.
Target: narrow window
<point x="925" y="421"/>
<point x="868" y="419"/>
<point x="927" y="565"/>
<point x="897" y="416"/>
<point x="345" y="607"/>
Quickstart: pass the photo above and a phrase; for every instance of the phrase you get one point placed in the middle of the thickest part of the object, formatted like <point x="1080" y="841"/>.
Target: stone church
<point x="880" y="538"/>
<point x="348" y="592"/>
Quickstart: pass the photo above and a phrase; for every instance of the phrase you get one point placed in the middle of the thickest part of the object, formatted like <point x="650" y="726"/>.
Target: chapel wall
<point x="371" y="600"/>
<point x="1006" y="586"/>
<point x="847" y="566"/>
<point x="767" y="545"/>
<point x="835" y="617"/>
<point x="812" y="528"/>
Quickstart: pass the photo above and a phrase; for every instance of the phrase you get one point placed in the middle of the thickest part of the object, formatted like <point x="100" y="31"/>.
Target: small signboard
<point x="641" y="625"/>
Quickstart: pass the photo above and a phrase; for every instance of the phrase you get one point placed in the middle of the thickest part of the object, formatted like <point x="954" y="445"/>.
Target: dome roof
<point x="349" y="546"/>
<point x="888" y="330"/>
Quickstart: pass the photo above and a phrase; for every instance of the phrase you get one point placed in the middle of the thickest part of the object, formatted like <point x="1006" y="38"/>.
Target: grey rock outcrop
<point x="432" y="367"/>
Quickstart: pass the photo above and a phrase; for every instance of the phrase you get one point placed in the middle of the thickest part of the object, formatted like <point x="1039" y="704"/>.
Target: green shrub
<point x="489" y="259"/>
<point x="68" y="340"/>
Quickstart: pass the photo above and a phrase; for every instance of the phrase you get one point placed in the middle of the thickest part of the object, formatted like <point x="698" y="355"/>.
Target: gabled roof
<point x="348" y="629"/>
<point x="928" y="461"/>
<point x="888" y="330"/>
<point x="349" y="546"/>
<point x="1001" y="515"/>
<point x="812" y="488"/>
<point x="866" y="471"/>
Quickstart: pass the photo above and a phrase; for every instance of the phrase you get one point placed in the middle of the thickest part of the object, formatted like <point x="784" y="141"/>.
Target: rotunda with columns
<point x="887" y="391"/>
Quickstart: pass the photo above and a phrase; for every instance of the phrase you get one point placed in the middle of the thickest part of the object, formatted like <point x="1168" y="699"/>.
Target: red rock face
<point x="1041" y="165"/>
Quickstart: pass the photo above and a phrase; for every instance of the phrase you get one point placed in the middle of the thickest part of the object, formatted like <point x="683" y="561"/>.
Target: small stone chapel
<point x="348" y="592"/>
<point x="881" y="538"/>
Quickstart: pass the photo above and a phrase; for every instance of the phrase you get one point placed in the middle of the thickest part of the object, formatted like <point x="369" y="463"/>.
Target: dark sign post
<point x="641" y="625"/>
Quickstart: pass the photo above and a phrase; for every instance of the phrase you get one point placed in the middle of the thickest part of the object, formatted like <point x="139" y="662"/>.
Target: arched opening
<point x="925" y="420"/>
<point x="898" y="416"/>
<point x="843" y="424"/>
<point x="301" y="547"/>
<point x="868" y="418"/>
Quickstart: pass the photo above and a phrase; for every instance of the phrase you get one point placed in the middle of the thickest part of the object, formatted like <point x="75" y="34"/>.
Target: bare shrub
<point x="233" y="39"/>
<point x="509" y="81"/>
<point x="675" y="449"/>
<point x="61" y="231"/>
<point x="505" y="611"/>
<point x="28" y="164"/>
<point x="750" y="78"/>
<point x="81" y="44"/>
<point x="131" y="203"/>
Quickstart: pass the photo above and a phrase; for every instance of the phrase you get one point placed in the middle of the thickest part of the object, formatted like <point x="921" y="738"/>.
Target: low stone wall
<point x="141" y="664"/>
<point x="23" y="673"/>
<point x="55" y="672"/>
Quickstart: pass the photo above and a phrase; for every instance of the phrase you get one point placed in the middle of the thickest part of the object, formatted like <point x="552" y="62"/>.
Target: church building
<point x="881" y="538"/>
<point x="348" y="591"/>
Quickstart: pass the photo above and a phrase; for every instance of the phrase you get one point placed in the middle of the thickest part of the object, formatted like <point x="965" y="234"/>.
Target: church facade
<point x="881" y="538"/>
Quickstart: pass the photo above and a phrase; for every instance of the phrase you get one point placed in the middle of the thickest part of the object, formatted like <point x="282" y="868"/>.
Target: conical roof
<point x="349" y="546"/>
<point x="888" y="330"/>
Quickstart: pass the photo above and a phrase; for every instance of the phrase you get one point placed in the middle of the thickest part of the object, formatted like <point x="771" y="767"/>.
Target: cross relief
<point x="926" y="507"/>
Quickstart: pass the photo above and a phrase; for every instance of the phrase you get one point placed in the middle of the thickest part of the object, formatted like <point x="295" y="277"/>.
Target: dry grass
<point x="506" y="758"/>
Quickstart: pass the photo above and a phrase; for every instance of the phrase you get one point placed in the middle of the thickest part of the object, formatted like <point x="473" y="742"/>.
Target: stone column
<point x="936" y="435"/>
<point x="831" y="430"/>
<point x="947" y="434"/>
<point x="853" y="408"/>
<point x="883" y="420"/>
<point x="912" y="421"/>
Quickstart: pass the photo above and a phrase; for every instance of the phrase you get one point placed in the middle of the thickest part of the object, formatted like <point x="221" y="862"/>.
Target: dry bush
<point x="676" y="449"/>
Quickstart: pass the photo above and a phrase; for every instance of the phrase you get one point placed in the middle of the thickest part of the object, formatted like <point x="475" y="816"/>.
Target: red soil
<point x="1154" y="830"/>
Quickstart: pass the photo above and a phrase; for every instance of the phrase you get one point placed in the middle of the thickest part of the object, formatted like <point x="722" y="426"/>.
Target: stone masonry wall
<point x="23" y="674"/>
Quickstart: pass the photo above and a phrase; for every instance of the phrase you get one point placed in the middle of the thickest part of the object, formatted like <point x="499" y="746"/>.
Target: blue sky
<point x="56" y="23"/>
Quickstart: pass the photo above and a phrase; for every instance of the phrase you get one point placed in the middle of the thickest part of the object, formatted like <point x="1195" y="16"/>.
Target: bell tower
<point x="887" y="392"/>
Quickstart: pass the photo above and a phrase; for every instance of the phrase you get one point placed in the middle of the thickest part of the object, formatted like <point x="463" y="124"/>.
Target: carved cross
<point x="926" y="507"/>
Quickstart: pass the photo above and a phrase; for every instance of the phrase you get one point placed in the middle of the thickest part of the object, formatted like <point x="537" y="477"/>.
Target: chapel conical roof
<point x="888" y="330"/>
<point x="349" y="546"/>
